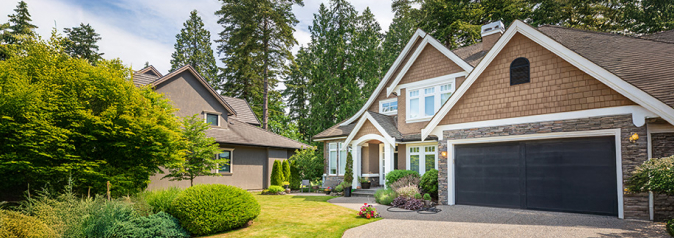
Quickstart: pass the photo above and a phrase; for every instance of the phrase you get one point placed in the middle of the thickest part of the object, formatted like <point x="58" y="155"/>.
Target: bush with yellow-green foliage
<point x="14" y="224"/>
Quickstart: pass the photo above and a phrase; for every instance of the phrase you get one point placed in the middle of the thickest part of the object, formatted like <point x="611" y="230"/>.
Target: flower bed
<point x="368" y="211"/>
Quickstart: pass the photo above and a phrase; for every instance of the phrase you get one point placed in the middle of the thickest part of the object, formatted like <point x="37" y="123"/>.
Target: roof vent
<point x="491" y="33"/>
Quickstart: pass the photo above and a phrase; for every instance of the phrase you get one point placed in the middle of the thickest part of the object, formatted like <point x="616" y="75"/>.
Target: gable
<point x="429" y="64"/>
<point x="367" y="128"/>
<point x="382" y="94"/>
<point x="556" y="86"/>
<point x="190" y="96"/>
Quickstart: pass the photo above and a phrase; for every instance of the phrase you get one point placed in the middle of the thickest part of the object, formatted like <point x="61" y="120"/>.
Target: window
<point x="425" y="102"/>
<point x="226" y="168"/>
<point x="332" y="158"/>
<point x="342" y="159"/>
<point x="519" y="71"/>
<point x="388" y="107"/>
<point x="213" y="119"/>
<point x="422" y="158"/>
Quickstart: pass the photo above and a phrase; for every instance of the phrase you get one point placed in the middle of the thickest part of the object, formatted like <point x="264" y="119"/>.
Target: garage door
<point x="570" y="175"/>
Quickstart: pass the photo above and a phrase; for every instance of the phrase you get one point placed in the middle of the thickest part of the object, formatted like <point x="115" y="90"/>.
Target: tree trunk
<point x="265" y="99"/>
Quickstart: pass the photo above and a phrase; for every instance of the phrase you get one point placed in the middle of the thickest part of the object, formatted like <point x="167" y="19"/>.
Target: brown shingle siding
<point x="367" y="128"/>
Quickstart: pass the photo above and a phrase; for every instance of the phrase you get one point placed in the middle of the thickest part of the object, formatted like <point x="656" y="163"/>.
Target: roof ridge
<point x="258" y="128"/>
<point x="604" y="33"/>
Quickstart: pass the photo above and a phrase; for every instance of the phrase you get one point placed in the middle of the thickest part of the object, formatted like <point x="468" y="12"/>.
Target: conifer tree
<point x="17" y="30"/>
<point x="193" y="47"/>
<point x="81" y="43"/>
<point x="276" y="174"/>
<point x="286" y="171"/>
<point x="367" y="49"/>
<point x="399" y="33"/>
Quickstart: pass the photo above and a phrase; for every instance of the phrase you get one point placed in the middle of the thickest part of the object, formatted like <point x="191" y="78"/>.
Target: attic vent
<point x="519" y="71"/>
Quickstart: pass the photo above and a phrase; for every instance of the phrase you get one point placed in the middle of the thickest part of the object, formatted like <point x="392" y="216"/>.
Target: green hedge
<point x="394" y="175"/>
<point x="213" y="208"/>
<point x="429" y="182"/>
<point x="275" y="189"/>
<point x="277" y="174"/>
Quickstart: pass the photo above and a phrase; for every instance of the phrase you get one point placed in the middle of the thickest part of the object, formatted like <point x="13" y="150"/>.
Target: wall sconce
<point x="634" y="137"/>
<point x="444" y="154"/>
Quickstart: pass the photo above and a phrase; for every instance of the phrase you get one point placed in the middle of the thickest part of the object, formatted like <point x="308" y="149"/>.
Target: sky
<point x="144" y="31"/>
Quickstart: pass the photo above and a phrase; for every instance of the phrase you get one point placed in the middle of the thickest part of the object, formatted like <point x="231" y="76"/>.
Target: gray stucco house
<point x="250" y="149"/>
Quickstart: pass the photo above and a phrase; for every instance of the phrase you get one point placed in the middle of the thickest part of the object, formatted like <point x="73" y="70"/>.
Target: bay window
<point x="422" y="158"/>
<point x="425" y="102"/>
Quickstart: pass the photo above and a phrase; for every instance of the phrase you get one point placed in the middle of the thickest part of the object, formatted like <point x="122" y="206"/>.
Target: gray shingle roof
<point x="241" y="133"/>
<point x="143" y="79"/>
<point x="472" y="54"/>
<point x="387" y="123"/>
<point x="243" y="111"/>
<point x="643" y="63"/>
<point x="666" y="36"/>
<point x="336" y="131"/>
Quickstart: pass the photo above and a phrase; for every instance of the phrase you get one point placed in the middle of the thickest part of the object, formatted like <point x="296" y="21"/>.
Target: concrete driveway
<point x="473" y="221"/>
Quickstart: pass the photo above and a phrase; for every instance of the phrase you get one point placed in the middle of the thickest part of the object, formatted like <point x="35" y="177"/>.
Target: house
<point x="540" y="118"/>
<point x="250" y="149"/>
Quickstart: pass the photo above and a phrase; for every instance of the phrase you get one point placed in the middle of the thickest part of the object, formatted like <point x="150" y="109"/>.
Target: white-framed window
<point x="212" y="118"/>
<point x="424" y="102"/>
<point x="342" y="159"/>
<point x="226" y="154"/>
<point x="388" y="107"/>
<point x="422" y="158"/>
<point x="332" y="158"/>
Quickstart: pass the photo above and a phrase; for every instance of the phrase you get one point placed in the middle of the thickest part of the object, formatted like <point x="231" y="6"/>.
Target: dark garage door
<point x="570" y="175"/>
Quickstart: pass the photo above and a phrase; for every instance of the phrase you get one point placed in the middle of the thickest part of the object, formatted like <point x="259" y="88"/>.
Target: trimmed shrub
<point x="161" y="200"/>
<point x="275" y="189"/>
<point x="15" y="224"/>
<point x="408" y="180"/>
<point x="348" y="173"/>
<point x="384" y="196"/>
<point x="418" y="196"/>
<point x="277" y="174"/>
<point x="156" y="225"/>
<point x="394" y="175"/>
<point x="339" y="188"/>
<point x="429" y="182"/>
<point x="407" y="191"/>
<point x="286" y="171"/>
<point x="295" y="180"/>
<point x="212" y="208"/>
<point x="427" y="197"/>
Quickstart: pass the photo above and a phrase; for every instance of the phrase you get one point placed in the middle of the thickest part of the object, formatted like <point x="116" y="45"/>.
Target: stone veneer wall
<point x="662" y="146"/>
<point x="633" y="154"/>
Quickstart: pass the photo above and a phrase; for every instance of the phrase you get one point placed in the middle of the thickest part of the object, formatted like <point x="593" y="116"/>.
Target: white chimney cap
<point x="491" y="28"/>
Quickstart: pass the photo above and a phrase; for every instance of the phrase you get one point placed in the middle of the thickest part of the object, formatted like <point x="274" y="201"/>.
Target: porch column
<point x="388" y="159"/>
<point x="357" y="160"/>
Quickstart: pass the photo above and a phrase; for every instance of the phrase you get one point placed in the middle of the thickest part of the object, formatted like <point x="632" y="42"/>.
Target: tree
<point x="63" y="117"/>
<point x="399" y="33"/>
<point x="650" y="16"/>
<point x="277" y="174"/>
<point x="286" y="171"/>
<point x="193" y="47"/>
<point x="368" y="51"/>
<point x="348" y="174"/>
<point x="17" y="30"/>
<point x="297" y="92"/>
<point x="256" y="43"/>
<point x="295" y="180"/>
<point x="81" y="43"/>
<point x="309" y="165"/>
<point x="200" y="153"/>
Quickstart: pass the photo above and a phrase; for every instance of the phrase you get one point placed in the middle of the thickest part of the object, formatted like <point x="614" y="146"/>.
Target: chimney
<point x="491" y="33"/>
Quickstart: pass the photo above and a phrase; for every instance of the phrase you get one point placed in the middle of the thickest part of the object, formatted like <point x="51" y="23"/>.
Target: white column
<point x="356" y="154"/>
<point x="450" y="174"/>
<point x="388" y="158"/>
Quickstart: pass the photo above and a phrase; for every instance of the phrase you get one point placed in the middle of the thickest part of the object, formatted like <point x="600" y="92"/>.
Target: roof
<point x="388" y="123"/>
<point x="242" y="133"/>
<point x="143" y="79"/>
<point x="644" y="63"/>
<point x="243" y="111"/>
<point x="472" y="54"/>
<point x="665" y="36"/>
<point x="336" y="131"/>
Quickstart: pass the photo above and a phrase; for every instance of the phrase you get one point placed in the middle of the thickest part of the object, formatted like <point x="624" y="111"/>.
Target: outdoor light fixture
<point x="444" y="153"/>
<point x="634" y="137"/>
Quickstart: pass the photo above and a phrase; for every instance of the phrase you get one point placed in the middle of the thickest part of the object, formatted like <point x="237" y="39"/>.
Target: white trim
<point x="231" y="160"/>
<point x="638" y="115"/>
<point x="655" y="129"/>
<point x="369" y="175"/>
<point x="435" y="43"/>
<point x="422" y="156"/>
<point x="430" y="82"/>
<point x="336" y="158"/>
<point x="340" y="149"/>
<point x="366" y="117"/>
<point x="330" y="138"/>
<point x="218" y="114"/>
<point x="585" y="65"/>
<point x="381" y="102"/>
<point x="417" y="34"/>
<point x="451" y="185"/>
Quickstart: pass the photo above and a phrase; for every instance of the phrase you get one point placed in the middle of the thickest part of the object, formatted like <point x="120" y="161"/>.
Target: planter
<point x="365" y="185"/>
<point x="327" y="192"/>
<point x="347" y="191"/>
<point x="286" y="186"/>
<point x="427" y="203"/>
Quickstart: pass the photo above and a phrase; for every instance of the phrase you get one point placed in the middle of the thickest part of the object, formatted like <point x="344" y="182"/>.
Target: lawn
<point x="299" y="216"/>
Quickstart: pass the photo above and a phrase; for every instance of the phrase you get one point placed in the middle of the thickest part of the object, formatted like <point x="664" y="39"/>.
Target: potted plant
<point x="286" y="184"/>
<point x="364" y="183"/>
<point x="327" y="191"/>
<point x="427" y="200"/>
<point x="347" y="189"/>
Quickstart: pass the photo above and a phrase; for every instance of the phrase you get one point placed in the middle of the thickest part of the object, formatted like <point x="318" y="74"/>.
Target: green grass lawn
<point x="299" y="216"/>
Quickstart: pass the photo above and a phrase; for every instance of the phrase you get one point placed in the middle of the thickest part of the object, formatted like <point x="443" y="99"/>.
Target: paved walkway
<point x="473" y="221"/>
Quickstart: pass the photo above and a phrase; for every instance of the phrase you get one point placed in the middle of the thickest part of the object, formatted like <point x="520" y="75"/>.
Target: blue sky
<point x="140" y="31"/>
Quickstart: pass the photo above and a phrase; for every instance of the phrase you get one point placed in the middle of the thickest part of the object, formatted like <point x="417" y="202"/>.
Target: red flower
<point x="368" y="216"/>
<point x="365" y="204"/>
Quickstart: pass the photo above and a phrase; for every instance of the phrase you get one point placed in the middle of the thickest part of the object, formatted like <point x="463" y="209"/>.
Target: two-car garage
<point x="564" y="174"/>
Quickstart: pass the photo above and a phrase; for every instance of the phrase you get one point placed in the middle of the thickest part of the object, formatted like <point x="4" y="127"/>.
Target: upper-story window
<point x="519" y="71"/>
<point x="212" y="118"/>
<point x="388" y="107"/>
<point x="423" y="103"/>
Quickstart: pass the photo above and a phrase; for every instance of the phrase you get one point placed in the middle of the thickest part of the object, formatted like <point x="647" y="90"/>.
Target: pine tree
<point x="256" y="43"/>
<point x="297" y="92"/>
<point x="81" y="43"/>
<point x="193" y="47"/>
<point x="368" y="51"/>
<point x="286" y="171"/>
<point x="399" y="33"/>
<point x="276" y="174"/>
<point x="348" y="174"/>
<point x="17" y="30"/>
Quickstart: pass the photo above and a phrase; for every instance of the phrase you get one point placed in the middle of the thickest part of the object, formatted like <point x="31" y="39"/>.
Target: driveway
<point x="473" y="221"/>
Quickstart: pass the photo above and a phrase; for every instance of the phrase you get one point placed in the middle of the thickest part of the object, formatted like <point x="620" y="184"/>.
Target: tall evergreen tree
<point x="399" y="32"/>
<point x="256" y="43"/>
<point x="368" y="51"/>
<point x="81" y="43"/>
<point x="17" y="30"/>
<point x="193" y="47"/>
<point x="297" y="91"/>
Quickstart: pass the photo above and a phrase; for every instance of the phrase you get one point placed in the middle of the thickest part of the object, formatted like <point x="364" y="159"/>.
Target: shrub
<point x="295" y="180"/>
<point x="213" y="208"/>
<point x="275" y="189"/>
<point x="161" y="200"/>
<point x="15" y="224"/>
<point x="397" y="174"/>
<point x="418" y="196"/>
<point x="414" y="204"/>
<point x="309" y="165"/>
<point x="345" y="184"/>
<point x="103" y="216"/>
<point x="407" y="191"/>
<point x="339" y="188"/>
<point x="427" y="197"/>
<point x="408" y="180"/>
<point x="286" y="171"/>
<point x="653" y="175"/>
<point x="156" y="225"/>
<point x="670" y="227"/>
<point x="277" y="174"/>
<point x="384" y="196"/>
<point x="399" y="202"/>
<point x="348" y="173"/>
<point x="429" y="182"/>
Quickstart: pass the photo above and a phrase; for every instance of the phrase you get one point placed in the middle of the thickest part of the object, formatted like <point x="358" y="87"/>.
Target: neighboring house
<point x="250" y="149"/>
<point x="531" y="118"/>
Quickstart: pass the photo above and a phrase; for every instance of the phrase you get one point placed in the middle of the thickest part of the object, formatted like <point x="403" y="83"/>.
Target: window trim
<point x="381" y="107"/>
<point x="218" y="114"/>
<point x="339" y="158"/>
<point x="422" y="157"/>
<point x="231" y="160"/>
<point x="336" y="150"/>
<point x="437" y="100"/>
